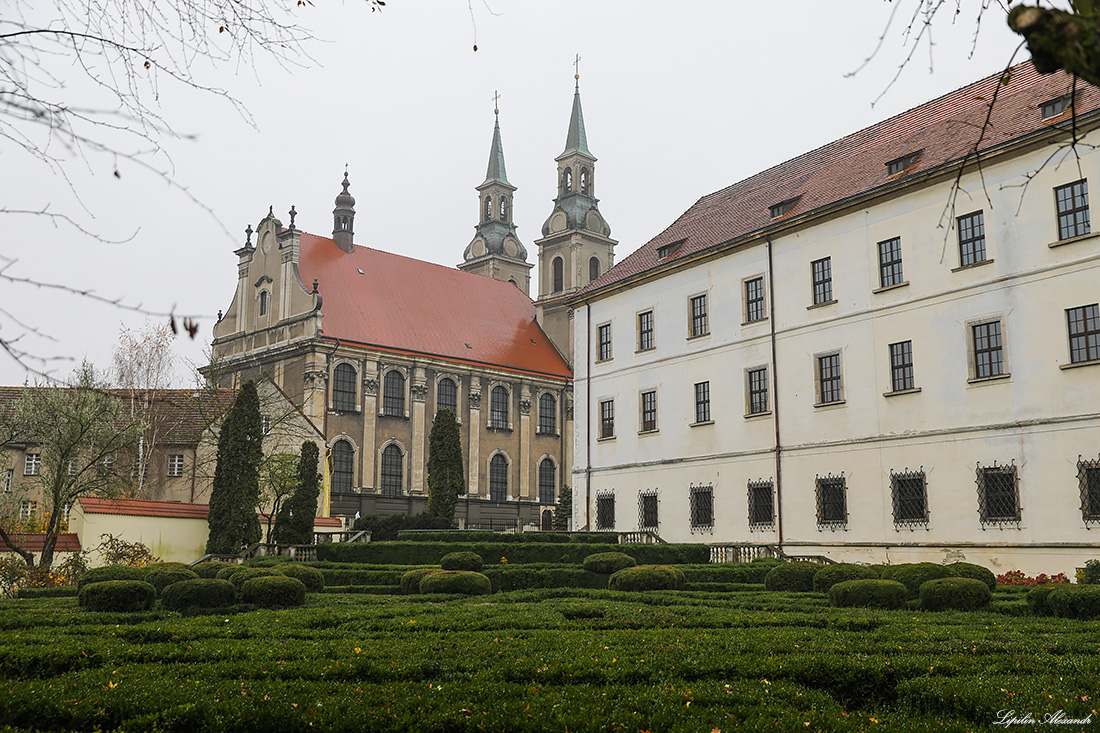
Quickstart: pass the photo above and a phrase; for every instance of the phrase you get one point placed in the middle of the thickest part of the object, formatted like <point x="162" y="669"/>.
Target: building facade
<point x="887" y="349"/>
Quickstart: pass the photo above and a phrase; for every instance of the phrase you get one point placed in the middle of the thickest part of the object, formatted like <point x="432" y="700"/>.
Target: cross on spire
<point x="496" y="102"/>
<point x="577" y="68"/>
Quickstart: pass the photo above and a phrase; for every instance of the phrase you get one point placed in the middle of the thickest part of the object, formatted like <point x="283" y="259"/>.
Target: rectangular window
<point x="830" y="386"/>
<point x="265" y="424"/>
<point x="971" y="239"/>
<point x="28" y="509"/>
<point x="910" y="497"/>
<point x="988" y="350"/>
<point x="603" y="334"/>
<point x="8" y="480"/>
<point x="998" y="495"/>
<point x="32" y="464"/>
<point x="699" y="325"/>
<point x="175" y="464"/>
<point x="1073" y="209"/>
<point x="761" y="505"/>
<point x="702" y="402"/>
<point x="701" y="508"/>
<point x="1084" y="333"/>
<point x="821" y="272"/>
<point x="605" y="511"/>
<point x="757" y="388"/>
<point x="889" y="262"/>
<point x="901" y="366"/>
<point x="754" y="300"/>
<point x="649" y="411"/>
<point x="832" y="504"/>
<point x="647" y="510"/>
<point x="645" y="331"/>
<point x="1088" y="474"/>
<point x="607" y="419"/>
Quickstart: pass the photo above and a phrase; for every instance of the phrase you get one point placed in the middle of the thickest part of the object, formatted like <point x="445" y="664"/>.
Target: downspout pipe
<point x="775" y="404"/>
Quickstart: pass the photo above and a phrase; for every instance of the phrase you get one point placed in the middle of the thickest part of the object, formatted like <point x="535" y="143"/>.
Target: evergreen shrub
<point x="1075" y="601"/>
<point x="466" y="536"/>
<point x="462" y="561"/>
<point x="1090" y="574"/>
<point x="608" y="563"/>
<point x="914" y="575"/>
<point x="1037" y="599"/>
<point x="239" y="576"/>
<point x="168" y="566"/>
<point x="212" y="568"/>
<point x="868" y="593"/>
<point x="273" y="591"/>
<point x="542" y="575"/>
<point x="111" y="572"/>
<point x="734" y="572"/>
<point x="61" y="591"/>
<point x="430" y="553"/>
<point x="977" y="572"/>
<point x="266" y="561"/>
<point x="161" y="578"/>
<point x="595" y="538"/>
<point x="463" y="582"/>
<point x="117" y="596"/>
<point x="830" y="575"/>
<point x="769" y="562"/>
<point x="311" y="578"/>
<point x="792" y="576"/>
<point x="647" y="577"/>
<point x="958" y="594"/>
<point x="410" y="581"/>
<point x="198" y="593"/>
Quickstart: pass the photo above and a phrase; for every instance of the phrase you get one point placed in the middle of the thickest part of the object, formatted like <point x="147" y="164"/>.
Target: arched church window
<point x="559" y="274"/>
<point x="392" y="473"/>
<point x="503" y="208"/>
<point x="585" y="180"/>
<point x="488" y="208"/>
<point x="343" y="388"/>
<point x="498" y="478"/>
<point x="393" y="394"/>
<point x="593" y="268"/>
<point x="446" y="396"/>
<point x="547" y="480"/>
<point x="498" y="408"/>
<point x="568" y="180"/>
<point x="341" y="466"/>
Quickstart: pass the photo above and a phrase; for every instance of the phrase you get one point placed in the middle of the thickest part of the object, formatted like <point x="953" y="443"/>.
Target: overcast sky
<point x="680" y="99"/>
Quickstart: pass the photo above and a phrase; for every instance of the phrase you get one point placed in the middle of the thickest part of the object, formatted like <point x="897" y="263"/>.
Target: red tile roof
<point x="943" y="131"/>
<point x="176" y="509"/>
<point x="392" y="302"/>
<point x="34" y="541"/>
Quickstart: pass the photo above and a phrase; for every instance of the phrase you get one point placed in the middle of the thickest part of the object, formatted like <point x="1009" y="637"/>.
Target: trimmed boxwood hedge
<point x="868" y="593"/>
<point x="914" y="575"/>
<point x="239" y="576"/>
<point x="410" y="581"/>
<point x="741" y="573"/>
<point x="267" y="561"/>
<point x="977" y="572"/>
<point x="462" y="561"/>
<point x="608" y="563"/>
<point x="792" y="576"/>
<point x="1074" y="601"/>
<point x="161" y="578"/>
<point x="647" y="577"/>
<point x="168" y="566"/>
<point x="468" y="536"/>
<point x="830" y="575"/>
<point x="311" y="578"/>
<point x="63" y="591"/>
<point x="117" y="596"/>
<point x="959" y="594"/>
<point x="1037" y="599"/>
<point x="430" y="553"/>
<point x="212" y="568"/>
<point x="111" y="572"/>
<point x="273" y="591"/>
<point x="522" y="577"/>
<point x="463" y="582"/>
<point x="198" y="593"/>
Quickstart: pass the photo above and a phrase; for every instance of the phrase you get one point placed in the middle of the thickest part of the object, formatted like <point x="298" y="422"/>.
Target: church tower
<point x="576" y="245"/>
<point x="343" y="218"/>
<point x="496" y="251"/>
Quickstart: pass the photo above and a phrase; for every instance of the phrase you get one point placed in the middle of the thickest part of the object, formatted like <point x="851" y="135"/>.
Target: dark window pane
<point x="446" y="396"/>
<point x="343" y="388"/>
<point x="498" y="478"/>
<point x="392" y="474"/>
<point x="393" y="394"/>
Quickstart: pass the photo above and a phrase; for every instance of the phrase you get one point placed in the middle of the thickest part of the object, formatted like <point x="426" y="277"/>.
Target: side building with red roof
<point x="885" y="349"/>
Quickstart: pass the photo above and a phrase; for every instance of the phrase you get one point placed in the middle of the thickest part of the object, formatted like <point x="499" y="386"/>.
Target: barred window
<point x="393" y="394"/>
<point x="998" y="494"/>
<point x="645" y="331"/>
<point x="548" y="414"/>
<point x="605" y="511"/>
<point x="603" y="333"/>
<point x="175" y="464"/>
<point x="1088" y="474"/>
<point x="393" y="483"/>
<point x="971" y="239"/>
<point x="757" y="390"/>
<point x="498" y="478"/>
<point x="832" y="502"/>
<point x="343" y="388"/>
<point x="607" y="419"/>
<point x="988" y="350"/>
<point x="341" y="466"/>
<point x="498" y="408"/>
<point x="821" y="272"/>
<point x="1073" y="209"/>
<point x="830" y="386"/>
<point x="901" y="366"/>
<point x="702" y="402"/>
<point x="1084" y="333"/>
<point x="32" y="464"/>
<point x="701" y="508"/>
<point x="909" y="493"/>
<point x="446" y="395"/>
<point x="761" y="505"/>
<point x="754" y="300"/>
<point x="647" y="510"/>
<point x="889" y="262"/>
<point x="548" y="474"/>
<point x="649" y="411"/>
<point x="699" y="325"/>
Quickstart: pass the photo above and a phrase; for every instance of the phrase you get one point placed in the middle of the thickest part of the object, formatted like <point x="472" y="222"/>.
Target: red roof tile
<point x="385" y="300"/>
<point x="944" y="131"/>
<point x="34" y="541"/>
<point x="143" y="508"/>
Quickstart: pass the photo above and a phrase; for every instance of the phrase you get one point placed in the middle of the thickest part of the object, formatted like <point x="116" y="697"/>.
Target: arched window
<point x="548" y="414"/>
<point x="264" y="295"/>
<point x="503" y="208"/>
<point x="498" y="408"/>
<point x="446" y="396"/>
<point x="343" y="388"/>
<point x="342" y="466"/>
<point x="548" y="474"/>
<point x="585" y="181"/>
<point x="488" y="208"/>
<point x="498" y="478"/>
<point x="393" y="394"/>
<point x="593" y="268"/>
<point x="568" y="181"/>
<point x="559" y="274"/>
<point x="392" y="474"/>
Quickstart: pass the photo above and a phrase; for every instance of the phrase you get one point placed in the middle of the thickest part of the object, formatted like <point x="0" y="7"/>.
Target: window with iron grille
<point x="832" y="503"/>
<point x="649" y="411"/>
<point x="998" y="494"/>
<point x="758" y="390"/>
<point x="910" y="497"/>
<point x="754" y="300"/>
<point x="645" y="331"/>
<point x="498" y="478"/>
<point x="1073" y="209"/>
<point x="343" y="388"/>
<point x="821" y="272"/>
<point x="603" y="333"/>
<point x="27" y="509"/>
<point x="498" y="408"/>
<point x="393" y="483"/>
<point x="647" y="509"/>
<point x="971" y="239"/>
<point x="901" y="366"/>
<point x="548" y="414"/>
<point x="32" y="463"/>
<point x="605" y="511"/>
<point x="701" y="508"/>
<point x="175" y="464"/>
<point x="607" y="419"/>
<point x="1084" y="333"/>
<point x="548" y="477"/>
<point x="699" y="325"/>
<point x="1088" y="474"/>
<point x="446" y="395"/>
<point x="702" y="402"/>
<point x="341" y="466"/>
<point x="889" y="262"/>
<point x="988" y="350"/>
<point x="830" y="386"/>
<point x="761" y="505"/>
<point x="393" y="394"/>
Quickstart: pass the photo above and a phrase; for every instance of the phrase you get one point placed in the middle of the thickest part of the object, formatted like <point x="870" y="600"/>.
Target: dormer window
<point x="668" y="249"/>
<point x="899" y="165"/>
<point x="1057" y="106"/>
<point x="783" y="207"/>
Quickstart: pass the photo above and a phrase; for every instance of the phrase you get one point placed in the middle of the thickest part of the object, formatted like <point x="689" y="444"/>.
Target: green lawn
<point x="543" y="660"/>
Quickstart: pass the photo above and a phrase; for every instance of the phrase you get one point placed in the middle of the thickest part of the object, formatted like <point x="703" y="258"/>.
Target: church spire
<point x="343" y="218"/>
<point x="496" y="172"/>
<point x="575" y="140"/>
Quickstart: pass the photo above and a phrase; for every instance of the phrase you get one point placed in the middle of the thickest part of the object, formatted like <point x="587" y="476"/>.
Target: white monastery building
<point x="886" y="349"/>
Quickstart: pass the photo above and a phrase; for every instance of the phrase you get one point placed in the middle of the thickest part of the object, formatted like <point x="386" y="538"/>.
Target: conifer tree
<point x="446" y="477"/>
<point x="235" y="494"/>
<point x="564" y="511"/>
<point x="294" y="523"/>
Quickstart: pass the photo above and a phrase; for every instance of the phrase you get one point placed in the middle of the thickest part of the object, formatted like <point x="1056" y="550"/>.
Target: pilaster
<point x="525" y="438"/>
<point x="474" y="426"/>
<point x="418" y="447"/>
<point x="370" y="422"/>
